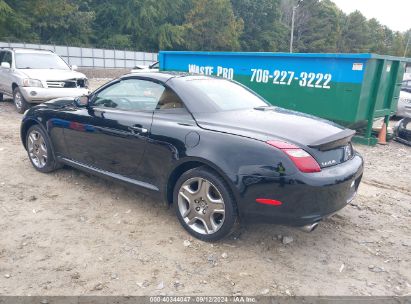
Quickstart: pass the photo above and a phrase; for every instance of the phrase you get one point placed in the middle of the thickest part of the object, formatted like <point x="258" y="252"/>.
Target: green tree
<point x="263" y="30"/>
<point x="53" y="21"/>
<point x="378" y="38"/>
<point x="355" y="37"/>
<point x="317" y="26"/>
<point x="215" y="25"/>
<point x="13" y="23"/>
<point x="212" y="25"/>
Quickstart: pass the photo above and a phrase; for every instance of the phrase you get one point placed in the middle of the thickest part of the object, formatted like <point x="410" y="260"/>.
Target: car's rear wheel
<point x="21" y="104"/>
<point x="39" y="150"/>
<point x="1" y="97"/>
<point x="204" y="204"/>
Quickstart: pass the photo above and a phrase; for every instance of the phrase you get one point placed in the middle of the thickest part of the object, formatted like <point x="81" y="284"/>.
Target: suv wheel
<point x="21" y="104"/>
<point x="204" y="204"/>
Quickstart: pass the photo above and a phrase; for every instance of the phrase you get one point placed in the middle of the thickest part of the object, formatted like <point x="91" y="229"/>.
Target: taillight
<point x="303" y="160"/>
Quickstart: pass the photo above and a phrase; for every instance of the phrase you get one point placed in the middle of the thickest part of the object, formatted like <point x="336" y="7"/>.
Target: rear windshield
<point x="227" y="95"/>
<point x="40" y="61"/>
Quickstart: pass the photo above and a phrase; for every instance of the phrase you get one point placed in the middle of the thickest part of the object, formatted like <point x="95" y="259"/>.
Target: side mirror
<point x="5" y="65"/>
<point x="74" y="67"/>
<point x="82" y="101"/>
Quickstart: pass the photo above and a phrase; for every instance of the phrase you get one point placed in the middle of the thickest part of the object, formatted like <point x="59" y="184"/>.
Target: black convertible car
<point x="211" y="147"/>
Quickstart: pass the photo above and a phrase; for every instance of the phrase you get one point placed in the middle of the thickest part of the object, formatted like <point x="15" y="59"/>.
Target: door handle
<point x="138" y="129"/>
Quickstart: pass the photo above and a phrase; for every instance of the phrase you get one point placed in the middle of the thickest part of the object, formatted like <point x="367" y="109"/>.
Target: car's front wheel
<point x="39" y="149"/>
<point x="1" y="97"/>
<point x="21" y="104"/>
<point x="204" y="204"/>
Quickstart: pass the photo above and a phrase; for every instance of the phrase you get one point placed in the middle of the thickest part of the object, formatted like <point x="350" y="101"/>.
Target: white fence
<point x="91" y="57"/>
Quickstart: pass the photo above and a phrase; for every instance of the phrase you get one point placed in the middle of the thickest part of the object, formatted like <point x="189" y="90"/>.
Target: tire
<point x="204" y="205"/>
<point x="21" y="104"/>
<point x="40" y="150"/>
<point x="1" y="97"/>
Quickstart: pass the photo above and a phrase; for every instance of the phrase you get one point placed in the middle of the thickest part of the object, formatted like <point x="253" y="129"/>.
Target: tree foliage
<point x="214" y="25"/>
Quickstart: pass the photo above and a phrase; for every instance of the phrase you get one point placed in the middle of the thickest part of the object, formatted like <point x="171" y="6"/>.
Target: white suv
<point x="33" y="76"/>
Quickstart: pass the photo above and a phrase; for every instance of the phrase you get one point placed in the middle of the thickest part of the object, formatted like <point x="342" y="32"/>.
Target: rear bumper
<point x="38" y="95"/>
<point x="306" y="197"/>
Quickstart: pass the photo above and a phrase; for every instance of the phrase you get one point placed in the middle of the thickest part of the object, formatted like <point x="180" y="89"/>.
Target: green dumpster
<point x="350" y="89"/>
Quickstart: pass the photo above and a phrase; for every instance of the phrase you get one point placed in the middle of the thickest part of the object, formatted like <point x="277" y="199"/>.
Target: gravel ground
<point x="68" y="233"/>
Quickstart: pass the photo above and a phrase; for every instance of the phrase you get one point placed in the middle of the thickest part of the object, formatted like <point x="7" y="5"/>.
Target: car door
<point x="111" y="134"/>
<point x="173" y="135"/>
<point x="4" y="72"/>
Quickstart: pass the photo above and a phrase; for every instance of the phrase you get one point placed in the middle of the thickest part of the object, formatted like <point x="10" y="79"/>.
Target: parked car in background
<point x="406" y="86"/>
<point x="402" y="131"/>
<point x="404" y="104"/>
<point x="34" y="76"/>
<point x="155" y="67"/>
<point x="211" y="147"/>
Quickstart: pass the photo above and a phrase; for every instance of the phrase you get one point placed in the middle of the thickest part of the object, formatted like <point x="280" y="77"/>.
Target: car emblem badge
<point x="328" y="163"/>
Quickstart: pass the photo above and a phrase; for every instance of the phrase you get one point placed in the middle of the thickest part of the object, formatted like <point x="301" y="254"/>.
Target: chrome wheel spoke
<point x="203" y="187"/>
<point x="36" y="160"/>
<point x="31" y="140"/>
<point x="188" y="213"/>
<point x="33" y="137"/>
<point x="209" y="224"/>
<point x="192" y="221"/>
<point x="43" y="146"/>
<point x="217" y="209"/>
<point x="187" y="193"/>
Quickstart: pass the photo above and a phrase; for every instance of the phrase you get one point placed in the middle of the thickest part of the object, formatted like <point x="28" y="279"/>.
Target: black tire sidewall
<point x="51" y="163"/>
<point x="229" y="203"/>
<point x="24" y="103"/>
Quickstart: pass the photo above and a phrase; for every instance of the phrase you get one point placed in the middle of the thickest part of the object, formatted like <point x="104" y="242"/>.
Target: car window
<point x="40" y="61"/>
<point x="227" y="95"/>
<point x="130" y="94"/>
<point x="169" y="100"/>
<point x="7" y="57"/>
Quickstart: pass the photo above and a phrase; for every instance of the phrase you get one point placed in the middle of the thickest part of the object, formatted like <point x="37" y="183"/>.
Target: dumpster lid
<point x="299" y="55"/>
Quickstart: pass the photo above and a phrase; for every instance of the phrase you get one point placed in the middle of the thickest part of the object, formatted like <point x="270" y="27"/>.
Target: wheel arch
<point x="13" y="86"/>
<point x="26" y="125"/>
<point x="187" y="165"/>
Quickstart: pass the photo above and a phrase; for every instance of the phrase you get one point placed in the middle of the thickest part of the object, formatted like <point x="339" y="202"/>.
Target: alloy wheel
<point x="37" y="149"/>
<point x="18" y="99"/>
<point x="201" y="205"/>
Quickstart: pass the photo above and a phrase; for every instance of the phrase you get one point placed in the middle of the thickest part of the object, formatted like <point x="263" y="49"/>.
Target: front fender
<point x="26" y="123"/>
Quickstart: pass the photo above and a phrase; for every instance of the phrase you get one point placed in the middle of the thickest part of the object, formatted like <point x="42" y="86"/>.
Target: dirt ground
<point x="68" y="233"/>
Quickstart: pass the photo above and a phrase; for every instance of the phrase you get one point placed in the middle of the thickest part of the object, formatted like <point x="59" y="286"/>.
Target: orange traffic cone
<point x="382" y="136"/>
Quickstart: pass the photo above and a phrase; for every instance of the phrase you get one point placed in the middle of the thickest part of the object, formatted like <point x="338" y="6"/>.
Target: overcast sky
<point x="396" y="14"/>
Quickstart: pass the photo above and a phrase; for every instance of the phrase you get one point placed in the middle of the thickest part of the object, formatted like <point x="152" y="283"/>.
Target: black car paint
<point x="233" y="143"/>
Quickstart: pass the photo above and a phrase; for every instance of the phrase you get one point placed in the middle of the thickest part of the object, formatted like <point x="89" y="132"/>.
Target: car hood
<point x="50" y="74"/>
<point x="273" y="124"/>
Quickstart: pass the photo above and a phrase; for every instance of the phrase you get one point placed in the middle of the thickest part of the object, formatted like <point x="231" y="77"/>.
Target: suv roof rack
<point x="23" y="48"/>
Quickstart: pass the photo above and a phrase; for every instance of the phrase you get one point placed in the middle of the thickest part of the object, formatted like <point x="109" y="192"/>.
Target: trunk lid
<point x="326" y="141"/>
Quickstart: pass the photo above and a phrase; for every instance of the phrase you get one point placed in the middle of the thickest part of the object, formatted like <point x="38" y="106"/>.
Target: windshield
<point x="40" y="61"/>
<point x="227" y="95"/>
<point x="155" y="65"/>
